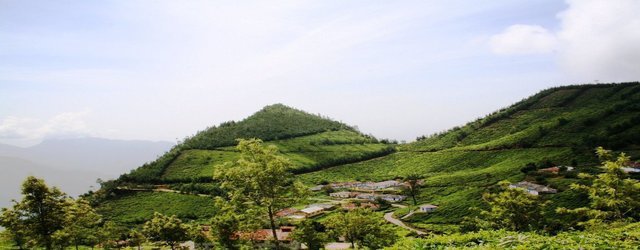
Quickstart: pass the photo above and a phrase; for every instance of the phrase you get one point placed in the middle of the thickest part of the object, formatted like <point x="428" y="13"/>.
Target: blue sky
<point x="162" y="70"/>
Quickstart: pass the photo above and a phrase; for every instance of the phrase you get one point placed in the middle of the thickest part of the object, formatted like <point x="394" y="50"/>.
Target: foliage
<point x="361" y="227"/>
<point x="38" y="215"/>
<point x="167" y="229"/>
<point x="413" y="186"/>
<point x="613" y="195"/>
<point x="225" y="223"/>
<point x="80" y="225"/>
<point x="138" y="207"/>
<point x="261" y="177"/>
<point x="16" y="231"/>
<point x="512" y="209"/>
<point x="136" y="239"/>
<point x="624" y="236"/>
<point x="310" y="233"/>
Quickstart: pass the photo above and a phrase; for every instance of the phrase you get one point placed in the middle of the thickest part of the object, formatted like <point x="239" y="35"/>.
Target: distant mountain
<point x="106" y="156"/>
<point x="15" y="170"/>
<point x="72" y="164"/>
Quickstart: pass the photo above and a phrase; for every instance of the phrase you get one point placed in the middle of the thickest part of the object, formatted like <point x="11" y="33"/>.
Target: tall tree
<point x="413" y="186"/>
<point x="613" y="195"/>
<point x="41" y="211"/>
<point x="168" y="229"/>
<point x="362" y="226"/>
<point x="262" y="178"/>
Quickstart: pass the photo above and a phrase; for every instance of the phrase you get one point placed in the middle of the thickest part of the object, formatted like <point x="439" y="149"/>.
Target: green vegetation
<point x="137" y="207"/>
<point x="609" y="237"/>
<point x="556" y="127"/>
<point x="260" y="180"/>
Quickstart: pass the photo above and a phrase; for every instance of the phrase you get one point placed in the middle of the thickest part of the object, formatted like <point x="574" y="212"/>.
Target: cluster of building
<point x="361" y="185"/>
<point x="631" y="167"/>
<point x="307" y="212"/>
<point x="368" y="196"/>
<point x="532" y="188"/>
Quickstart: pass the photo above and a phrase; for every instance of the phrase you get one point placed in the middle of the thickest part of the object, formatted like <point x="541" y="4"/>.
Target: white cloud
<point x="523" y="39"/>
<point x="25" y="130"/>
<point x="600" y="40"/>
<point x="596" y="40"/>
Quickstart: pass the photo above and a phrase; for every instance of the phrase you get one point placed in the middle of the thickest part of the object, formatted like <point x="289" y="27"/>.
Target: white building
<point x="426" y="208"/>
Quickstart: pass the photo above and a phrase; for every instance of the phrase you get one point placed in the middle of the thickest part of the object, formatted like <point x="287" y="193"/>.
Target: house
<point x="316" y="188"/>
<point x="325" y="206"/>
<point x="426" y="208"/>
<point x="352" y="206"/>
<point x="631" y="170"/>
<point x="534" y="189"/>
<point x="343" y="194"/>
<point x="309" y="212"/>
<point x="286" y="212"/>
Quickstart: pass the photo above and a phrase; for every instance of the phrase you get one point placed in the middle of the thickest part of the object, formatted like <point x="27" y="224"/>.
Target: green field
<point x="138" y="207"/>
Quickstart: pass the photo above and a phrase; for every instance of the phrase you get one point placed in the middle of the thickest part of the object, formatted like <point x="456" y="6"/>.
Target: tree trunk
<point x="415" y="202"/>
<point x="76" y="246"/>
<point x="273" y="228"/>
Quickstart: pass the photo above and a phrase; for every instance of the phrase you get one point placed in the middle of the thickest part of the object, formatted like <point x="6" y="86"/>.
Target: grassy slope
<point x="138" y="207"/>
<point x="309" y="141"/>
<point x="560" y="125"/>
<point x="307" y="153"/>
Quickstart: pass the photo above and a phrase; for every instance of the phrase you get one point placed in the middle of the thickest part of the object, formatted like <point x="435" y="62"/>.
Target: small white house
<point x="426" y="208"/>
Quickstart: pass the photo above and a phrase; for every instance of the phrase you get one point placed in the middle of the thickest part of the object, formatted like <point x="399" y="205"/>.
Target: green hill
<point x="311" y="142"/>
<point x="558" y="126"/>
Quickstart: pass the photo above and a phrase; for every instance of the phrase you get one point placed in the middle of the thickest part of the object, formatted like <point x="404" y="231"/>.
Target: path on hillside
<point x="389" y="217"/>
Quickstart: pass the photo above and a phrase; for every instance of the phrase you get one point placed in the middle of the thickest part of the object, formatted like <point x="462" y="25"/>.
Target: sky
<point x="162" y="70"/>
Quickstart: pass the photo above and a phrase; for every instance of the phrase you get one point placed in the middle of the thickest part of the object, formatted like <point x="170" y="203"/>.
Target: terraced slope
<point x="560" y="125"/>
<point x="311" y="142"/>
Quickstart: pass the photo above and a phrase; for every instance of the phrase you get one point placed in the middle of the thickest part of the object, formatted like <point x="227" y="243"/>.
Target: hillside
<point x="310" y="141"/>
<point x="558" y="126"/>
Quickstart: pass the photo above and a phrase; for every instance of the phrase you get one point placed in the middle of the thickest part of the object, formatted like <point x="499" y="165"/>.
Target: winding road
<point x="389" y="217"/>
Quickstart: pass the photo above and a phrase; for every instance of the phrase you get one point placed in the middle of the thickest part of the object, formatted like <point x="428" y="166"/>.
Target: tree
<point x="225" y="223"/>
<point x="41" y="211"/>
<point x="262" y="178"/>
<point x="198" y="237"/>
<point x="308" y="232"/>
<point x="513" y="209"/>
<point x="613" y="195"/>
<point x="109" y="234"/>
<point x="136" y="238"/>
<point x="80" y="224"/>
<point x="361" y="226"/>
<point x="168" y="229"/>
<point x="413" y="186"/>
<point x="15" y="228"/>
